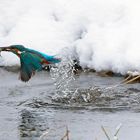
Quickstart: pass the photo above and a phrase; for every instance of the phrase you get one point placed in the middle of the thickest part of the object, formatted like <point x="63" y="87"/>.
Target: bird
<point x="30" y="60"/>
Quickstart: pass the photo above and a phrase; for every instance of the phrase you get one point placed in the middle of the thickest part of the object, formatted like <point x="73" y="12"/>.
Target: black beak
<point x="5" y="48"/>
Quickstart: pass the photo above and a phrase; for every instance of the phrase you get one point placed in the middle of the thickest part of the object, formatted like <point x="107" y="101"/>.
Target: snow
<point x="102" y="34"/>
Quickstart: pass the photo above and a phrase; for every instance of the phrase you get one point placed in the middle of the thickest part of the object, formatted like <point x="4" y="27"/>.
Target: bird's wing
<point x="29" y="64"/>
<point x="48" y="58"/>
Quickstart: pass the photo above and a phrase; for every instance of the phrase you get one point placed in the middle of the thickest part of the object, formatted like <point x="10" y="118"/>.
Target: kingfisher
<point x="30" y="60"/>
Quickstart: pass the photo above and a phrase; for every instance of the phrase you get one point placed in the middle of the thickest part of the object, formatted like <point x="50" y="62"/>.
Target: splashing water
<point x="63" y="74"/>
<point x="65" y="93"/>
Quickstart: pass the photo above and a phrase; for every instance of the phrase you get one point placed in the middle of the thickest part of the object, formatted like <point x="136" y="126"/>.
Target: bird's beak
<point x="5" y="48"/>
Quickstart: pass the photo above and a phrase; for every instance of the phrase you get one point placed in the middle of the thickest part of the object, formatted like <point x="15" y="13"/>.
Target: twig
<point x="43" y="135"/>
<point x="118" y="129"/>
<point x="133" y="79"/>
<point x="125" y="80"/>
<point x="105" y="133"/>
<point x="66" y="135"/>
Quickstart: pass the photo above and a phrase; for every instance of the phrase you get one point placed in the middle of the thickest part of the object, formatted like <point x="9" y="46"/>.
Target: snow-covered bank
<point x="103" y="35"/>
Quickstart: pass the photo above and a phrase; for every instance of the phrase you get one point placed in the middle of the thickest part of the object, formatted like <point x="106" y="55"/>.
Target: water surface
<point x="30" y="109"/>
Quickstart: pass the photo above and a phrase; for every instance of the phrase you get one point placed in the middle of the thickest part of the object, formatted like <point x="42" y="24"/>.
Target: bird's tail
<point x="54" y="60"/>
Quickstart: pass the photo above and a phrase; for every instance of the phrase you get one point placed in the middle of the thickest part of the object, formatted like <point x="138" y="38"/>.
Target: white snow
<point x="102" y="34"/>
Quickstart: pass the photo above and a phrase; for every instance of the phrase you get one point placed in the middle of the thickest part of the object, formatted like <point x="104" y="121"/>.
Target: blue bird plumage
<point x="49" y="58"/>
<point x="31" y="60"/>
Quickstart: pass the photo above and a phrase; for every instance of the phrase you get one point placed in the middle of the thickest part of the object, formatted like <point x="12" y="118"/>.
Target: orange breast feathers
<point x="44" y="61"/>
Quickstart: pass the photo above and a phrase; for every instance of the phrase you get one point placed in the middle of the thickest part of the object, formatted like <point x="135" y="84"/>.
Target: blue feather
<point x="49" y="58"/>
<point x="29" y="64"/>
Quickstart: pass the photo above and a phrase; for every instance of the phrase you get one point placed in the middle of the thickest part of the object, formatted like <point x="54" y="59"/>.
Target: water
<point x="30" y="109"/>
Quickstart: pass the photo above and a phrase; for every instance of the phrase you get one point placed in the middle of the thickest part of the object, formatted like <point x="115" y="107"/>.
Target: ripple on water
<point x="92" y="98"/>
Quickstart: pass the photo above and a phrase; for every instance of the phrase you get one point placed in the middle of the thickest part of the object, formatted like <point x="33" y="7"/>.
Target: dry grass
<point x="105" y="132"/>
<point x="67" y="132"/>
<point x="115" y="137"/>
<point x="66" y="135"/>
<point x="44" y="135"/>
<point x="130" y="79"/>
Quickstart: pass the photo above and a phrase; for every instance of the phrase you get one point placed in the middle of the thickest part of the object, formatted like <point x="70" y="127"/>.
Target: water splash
<point x="63" y="73"/>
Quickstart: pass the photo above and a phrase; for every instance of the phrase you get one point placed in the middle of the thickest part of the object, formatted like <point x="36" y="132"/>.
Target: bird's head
<point x="17" y="49"/>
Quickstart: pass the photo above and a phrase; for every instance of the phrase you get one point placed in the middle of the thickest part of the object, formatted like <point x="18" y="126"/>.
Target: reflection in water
<point x="31" y="126"/>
